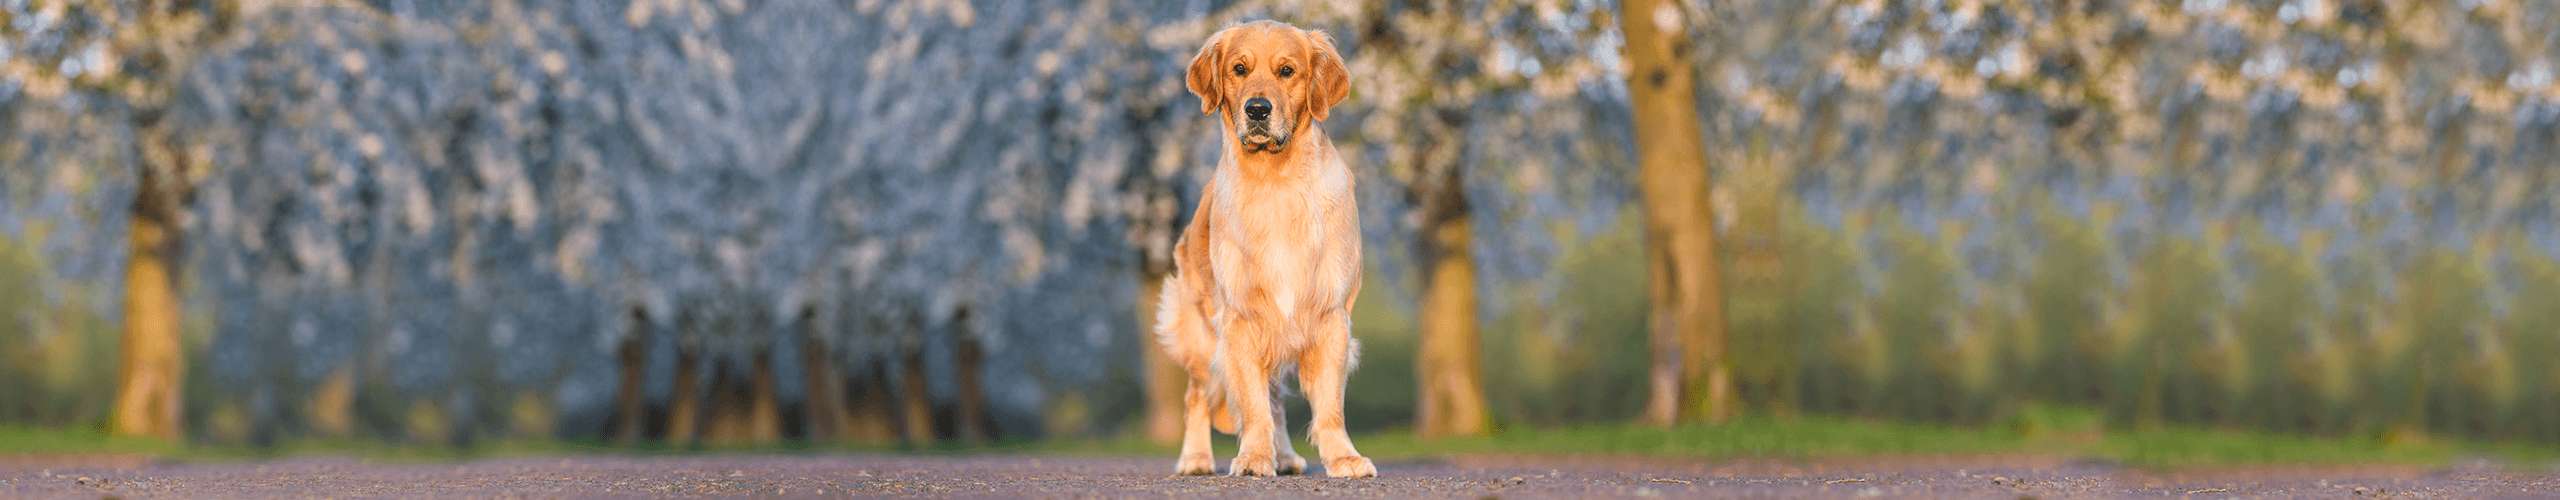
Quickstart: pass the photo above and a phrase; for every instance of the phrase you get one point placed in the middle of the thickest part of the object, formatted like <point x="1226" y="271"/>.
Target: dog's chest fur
<point x="1292" y="245"/>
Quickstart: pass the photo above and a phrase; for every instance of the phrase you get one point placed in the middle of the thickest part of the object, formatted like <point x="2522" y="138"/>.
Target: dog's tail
<point x="1177" y="319"/>
<point x="1182" y="331"/>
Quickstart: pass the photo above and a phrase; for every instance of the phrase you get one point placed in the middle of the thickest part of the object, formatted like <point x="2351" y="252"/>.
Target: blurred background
<point x="877" y="222"/>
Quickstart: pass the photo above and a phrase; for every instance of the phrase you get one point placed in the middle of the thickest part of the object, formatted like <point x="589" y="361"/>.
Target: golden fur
<point x="1265" y="274"/>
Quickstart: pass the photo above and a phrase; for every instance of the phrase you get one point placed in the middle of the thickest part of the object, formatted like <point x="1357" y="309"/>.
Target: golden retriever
<point x="1265" y="274"/>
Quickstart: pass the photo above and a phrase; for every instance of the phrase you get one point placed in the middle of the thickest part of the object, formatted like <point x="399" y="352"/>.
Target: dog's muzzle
<point x="1258" y="133"/>
<point x="1258" y="138"/>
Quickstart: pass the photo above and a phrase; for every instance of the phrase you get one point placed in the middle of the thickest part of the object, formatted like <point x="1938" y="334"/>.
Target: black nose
<point x="1257" y="108"/>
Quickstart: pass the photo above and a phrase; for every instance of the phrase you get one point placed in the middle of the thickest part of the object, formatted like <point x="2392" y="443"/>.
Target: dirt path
<point x="1037" y="476"/>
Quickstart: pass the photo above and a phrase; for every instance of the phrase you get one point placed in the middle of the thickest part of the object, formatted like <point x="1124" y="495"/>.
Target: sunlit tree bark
<point x="825" y="415"/>
<point x="873" y="415"/>
<point x="1690" y="380"/>
<point x="764" y="402"/>
<point x="684" y="405"/>
<point x="153" y="43"/>
<point x="154" y="361"/>
<point x="915" y="405"/>
<point x="1452" y="382"/>
<point x="1452" y="394"/>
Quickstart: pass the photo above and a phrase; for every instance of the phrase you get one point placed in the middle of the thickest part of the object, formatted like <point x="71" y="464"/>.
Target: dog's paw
<point x="1245" y="465"/>
<point x="1292" y="464"/>
<point x="1351" y="466"/>
<point x="1196" y="465"/>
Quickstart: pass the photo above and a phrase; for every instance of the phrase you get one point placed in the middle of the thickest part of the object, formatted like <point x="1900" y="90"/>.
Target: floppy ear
<point x="1329" y="81"/>
<point x="1204" y="75"/>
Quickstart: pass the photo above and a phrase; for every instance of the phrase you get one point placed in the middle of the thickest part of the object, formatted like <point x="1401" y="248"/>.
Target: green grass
<point x="22" y="440"/>
<point x="2036" y="431"/>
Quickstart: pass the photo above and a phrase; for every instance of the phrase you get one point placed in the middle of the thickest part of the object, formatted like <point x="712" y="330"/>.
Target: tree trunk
<point x="764" y="403"/>
<point x="1452" y="397"/>
<point x="1690" y="380"/>
<point x="684" y="405"/>
<point x="970" y="412"/>
<point x="873" y="414"/>
<point x="726" y="408"/>
<point x="915" y="406"/>
<point x="631" y="398"/>
<point x="1165" y="380"/>
<point x="155" y="365"/>
<point x="825" y="413"/>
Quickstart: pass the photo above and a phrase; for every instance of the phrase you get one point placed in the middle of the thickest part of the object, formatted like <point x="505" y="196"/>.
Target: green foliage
<point x="2178" y="364"/>
<point x="2297" y="368"/>
<point x="2534" y="327"/>
<point x="2326" y="220"/>
<point x="54" y="353"/>
<point x="1581" y="357"/>
<point x="2257" y="337"/>
<point x="1383" y="387"/>
<point x="2194" y="339"/>
<point x="1843" y="362"/>
<point x="2064" y="302"/>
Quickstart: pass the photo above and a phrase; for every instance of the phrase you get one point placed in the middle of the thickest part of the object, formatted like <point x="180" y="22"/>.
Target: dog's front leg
<point x="1322" y="371"/>
<point x="1196" y="460"/>
<point x="1249" y="386"/>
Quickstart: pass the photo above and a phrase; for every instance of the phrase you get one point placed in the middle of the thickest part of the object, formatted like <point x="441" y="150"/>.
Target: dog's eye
<point x="1240" y="70"/>
<point x="1285" y="71"/>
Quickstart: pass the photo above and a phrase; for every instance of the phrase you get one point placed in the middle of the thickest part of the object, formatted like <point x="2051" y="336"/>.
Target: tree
<point x="132" y="56"/>
<point x="1690" y="378"/>
<point x="694" y="177"/>
<point x="1427" y="166"/>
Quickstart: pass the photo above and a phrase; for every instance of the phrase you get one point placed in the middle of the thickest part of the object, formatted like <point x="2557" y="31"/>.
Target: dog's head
<point x="1267" y="80"/>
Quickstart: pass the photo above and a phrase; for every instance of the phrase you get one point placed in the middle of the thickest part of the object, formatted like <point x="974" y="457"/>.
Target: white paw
<point x="1351" y="466"/>
<point x="1196" y="465"/>
<point x="1250" y="466"/>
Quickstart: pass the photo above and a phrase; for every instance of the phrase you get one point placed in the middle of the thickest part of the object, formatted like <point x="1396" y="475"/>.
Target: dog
<point x="1267" y="270"/>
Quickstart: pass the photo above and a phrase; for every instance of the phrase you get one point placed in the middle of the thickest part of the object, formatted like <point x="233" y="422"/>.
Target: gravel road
<point x="1079" y="477"/>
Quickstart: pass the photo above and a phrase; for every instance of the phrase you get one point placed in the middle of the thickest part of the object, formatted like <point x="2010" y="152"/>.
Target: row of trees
<point x="451" y="207"/>
<point x="2326" y="216"/>
<point x="687" y="219"/>
<point x="446" y="211"/>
